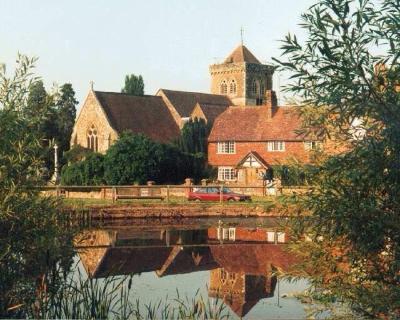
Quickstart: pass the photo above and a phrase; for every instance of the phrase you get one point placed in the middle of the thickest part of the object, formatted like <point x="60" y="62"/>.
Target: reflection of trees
<point x="35" y="267"/>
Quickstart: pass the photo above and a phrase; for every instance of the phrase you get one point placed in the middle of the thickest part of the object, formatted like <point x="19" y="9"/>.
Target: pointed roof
<point x="139" y="114"/>
<point x="252" y="123"/>
<point x="210" y="111"/>
<point x="256" y="157"/>
<point x="241" y="54"/>
<point x="184" y="101"/>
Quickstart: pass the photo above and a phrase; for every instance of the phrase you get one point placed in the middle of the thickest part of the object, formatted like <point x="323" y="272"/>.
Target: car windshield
<point x="227" y="190"/>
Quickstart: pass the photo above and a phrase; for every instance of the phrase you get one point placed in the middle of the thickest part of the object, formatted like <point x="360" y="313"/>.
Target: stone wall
<point x="92" y="114"/>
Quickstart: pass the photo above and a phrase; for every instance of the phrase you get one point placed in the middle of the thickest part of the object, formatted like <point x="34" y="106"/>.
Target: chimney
<point x="270" y="102"/>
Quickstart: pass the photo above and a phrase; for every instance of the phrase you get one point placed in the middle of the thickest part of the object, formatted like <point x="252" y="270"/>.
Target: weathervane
<point x="241" y="34"/>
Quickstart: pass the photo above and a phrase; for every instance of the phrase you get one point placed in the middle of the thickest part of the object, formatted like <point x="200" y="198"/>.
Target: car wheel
<point x="231" y="200"/>
<point x="197" y="200"/>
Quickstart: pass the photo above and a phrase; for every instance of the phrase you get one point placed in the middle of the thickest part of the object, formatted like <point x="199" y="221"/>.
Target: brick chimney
<point x="270" y="102"/>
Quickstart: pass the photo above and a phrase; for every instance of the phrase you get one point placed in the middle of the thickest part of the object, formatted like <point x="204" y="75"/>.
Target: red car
<point x="213" y="194"/>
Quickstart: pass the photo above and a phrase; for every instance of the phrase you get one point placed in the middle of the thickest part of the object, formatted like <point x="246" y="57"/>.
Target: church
<point x="249" y="134"/>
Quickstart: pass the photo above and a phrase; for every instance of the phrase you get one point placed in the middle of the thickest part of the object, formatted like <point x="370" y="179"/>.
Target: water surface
<point x="235" y="260"/>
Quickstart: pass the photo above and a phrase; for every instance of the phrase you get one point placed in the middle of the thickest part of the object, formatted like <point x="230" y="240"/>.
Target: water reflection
<point x="241" y="259"/>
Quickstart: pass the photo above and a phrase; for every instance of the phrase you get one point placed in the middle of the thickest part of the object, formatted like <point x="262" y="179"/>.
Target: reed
<point x="88" y="298"/>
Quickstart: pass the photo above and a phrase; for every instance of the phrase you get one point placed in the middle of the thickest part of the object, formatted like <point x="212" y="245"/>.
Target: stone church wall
<point x="93" y="114"/>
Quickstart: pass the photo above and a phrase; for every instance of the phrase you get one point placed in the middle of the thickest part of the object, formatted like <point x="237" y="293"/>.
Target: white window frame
<point x="312" y="145"/>
<point x="226" y="174"/>
<point x="276" y="146"/>
<point x="232" y="234"/>
<point x="270" y="236"/>
<point x="226" y="147"/>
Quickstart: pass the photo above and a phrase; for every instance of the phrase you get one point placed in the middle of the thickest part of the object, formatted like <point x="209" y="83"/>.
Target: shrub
<point x="132" y="159"/>
<point x="87" y="172"/>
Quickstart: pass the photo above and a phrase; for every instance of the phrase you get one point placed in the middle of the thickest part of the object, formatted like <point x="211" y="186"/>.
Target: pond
<point x="235" y="261"/>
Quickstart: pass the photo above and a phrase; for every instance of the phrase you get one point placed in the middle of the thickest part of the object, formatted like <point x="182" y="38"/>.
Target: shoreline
<point x="175" y="211"/>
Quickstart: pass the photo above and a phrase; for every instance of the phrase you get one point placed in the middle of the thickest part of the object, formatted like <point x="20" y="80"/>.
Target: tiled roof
<point x="252" y="259"/>
<point x="212" y="111"/>
<point x="184" y="102"/>
<point x="139" y="114"/>
<point x="241" y="54"/>
<point x="252" y="123"/>
<point x="187" y="259"/>
<point x="118" y="261"/>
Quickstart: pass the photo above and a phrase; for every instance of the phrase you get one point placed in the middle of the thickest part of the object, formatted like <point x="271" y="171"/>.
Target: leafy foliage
<point x="84" y="173"/>
<point x="194" y="136"/>
<point x="132" y="159"/>
<point x="65" y="116"/>
<point x="54" y="116"/>
<point x="134" y="85"/>
<point x="347" y="70"/>
<point x="193" y="143"/>
<point x="32" y="238"/>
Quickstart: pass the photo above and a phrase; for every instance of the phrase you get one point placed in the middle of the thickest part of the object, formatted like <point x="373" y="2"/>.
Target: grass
<point x="89" y="298"/>
<point x="266" y="202"/>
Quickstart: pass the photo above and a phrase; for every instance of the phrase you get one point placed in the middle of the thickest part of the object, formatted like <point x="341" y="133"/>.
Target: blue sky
<point x="170" y="43"/>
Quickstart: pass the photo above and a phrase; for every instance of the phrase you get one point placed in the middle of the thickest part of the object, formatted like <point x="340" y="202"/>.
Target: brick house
<point x="246" y="140"/>
<point x="249" y="134"/>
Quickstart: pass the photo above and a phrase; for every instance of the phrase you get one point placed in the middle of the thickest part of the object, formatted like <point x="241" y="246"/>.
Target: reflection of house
<point x="240" y="270"/>
<point x="265" y="235"/>
<point x="240" y="291"/>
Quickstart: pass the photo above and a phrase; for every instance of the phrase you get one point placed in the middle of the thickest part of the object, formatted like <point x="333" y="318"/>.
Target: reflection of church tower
<point x="239" y="290"/>
<point x="242" y="77"/>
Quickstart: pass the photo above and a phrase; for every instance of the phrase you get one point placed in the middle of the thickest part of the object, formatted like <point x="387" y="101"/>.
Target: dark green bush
<point x="133" y="159"/>
<point x="83" y="173"/>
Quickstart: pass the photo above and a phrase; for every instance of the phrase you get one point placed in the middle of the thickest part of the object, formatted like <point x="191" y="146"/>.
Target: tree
<point x="347" y="70"/>
<point x="132" y="159"/>
<point x="194" y="136"/>
<point x="134" y="85"/>
<point x="34" y="243"/>
<point x="66" y="113"/>
<point x="193" y="143"/>
<point x="87" y="172"/>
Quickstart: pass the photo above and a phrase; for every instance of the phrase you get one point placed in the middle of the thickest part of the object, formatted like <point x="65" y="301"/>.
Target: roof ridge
<point x="197" y="92"/>
<point x="126" y="94"/>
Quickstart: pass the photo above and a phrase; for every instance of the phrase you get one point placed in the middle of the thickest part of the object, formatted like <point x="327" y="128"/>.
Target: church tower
<point x="242" y="77"/>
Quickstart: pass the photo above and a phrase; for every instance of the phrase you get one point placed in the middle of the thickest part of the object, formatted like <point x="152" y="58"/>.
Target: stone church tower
<point x="242" y="77"/>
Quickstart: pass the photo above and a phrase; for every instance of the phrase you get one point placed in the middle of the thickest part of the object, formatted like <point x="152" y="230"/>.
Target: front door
<point x="251" y="176"/>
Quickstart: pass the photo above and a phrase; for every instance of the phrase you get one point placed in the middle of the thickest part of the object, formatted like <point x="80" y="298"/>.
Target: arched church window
<point x="224" y="87"/>
<point x="92" y="139"/>
<point x="255" y="87"/>
<point x="232" y="87"/>
<point x="262" y="89"/>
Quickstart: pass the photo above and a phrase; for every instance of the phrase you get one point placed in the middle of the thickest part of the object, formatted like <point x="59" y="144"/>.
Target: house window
<point x="280" y="237"/>
<point x="232" y="87"/>
<point x="92" y="139"/>
<point x="312" y="145"/>
<point x="271" y="236"/>
<point x="226" y="147"/>
<point x="226" y="174"/>
<point x="276" y="146"/>
<point x="223" y="87"/>
<point x="232" y="234"/>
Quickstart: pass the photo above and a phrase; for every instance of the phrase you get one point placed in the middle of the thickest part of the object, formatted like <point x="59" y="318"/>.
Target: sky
<point x="170" y="43"/>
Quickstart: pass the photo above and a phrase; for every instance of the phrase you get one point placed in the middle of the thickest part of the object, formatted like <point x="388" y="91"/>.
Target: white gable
<point x="251" y="162"/>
